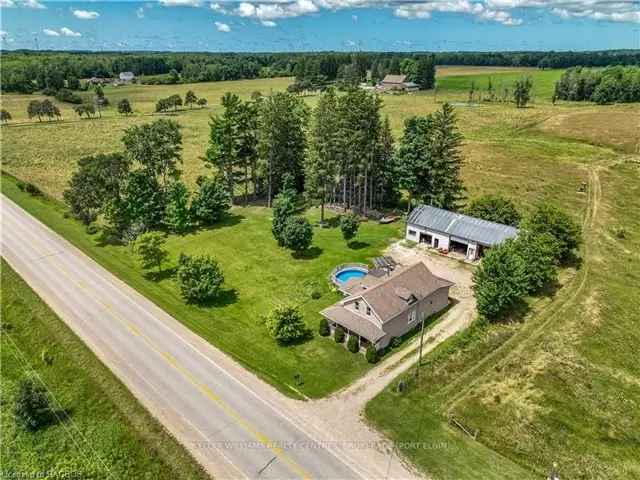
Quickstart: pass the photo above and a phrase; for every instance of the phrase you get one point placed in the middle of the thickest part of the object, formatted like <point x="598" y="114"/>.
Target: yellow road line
<point x="170" y="360"/>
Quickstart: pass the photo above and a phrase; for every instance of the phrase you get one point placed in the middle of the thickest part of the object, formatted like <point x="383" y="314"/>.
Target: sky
<point x="312" y="25"/>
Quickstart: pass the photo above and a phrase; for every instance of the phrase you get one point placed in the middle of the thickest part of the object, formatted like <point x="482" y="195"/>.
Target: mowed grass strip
<point x="258" y="276"/>
<point x="105" y="433"/>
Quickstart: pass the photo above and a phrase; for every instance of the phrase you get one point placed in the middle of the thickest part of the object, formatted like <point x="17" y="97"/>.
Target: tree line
<point x="26" y="71"/>
<point x="608" y="85"/>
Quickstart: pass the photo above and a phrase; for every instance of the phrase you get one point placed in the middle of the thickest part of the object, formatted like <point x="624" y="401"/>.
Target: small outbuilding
<point x="126" y="77"/>
<point x="451" y="231"/>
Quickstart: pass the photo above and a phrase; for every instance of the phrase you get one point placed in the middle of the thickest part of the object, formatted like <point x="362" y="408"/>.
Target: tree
<point x="522" y="91"/>
<point x="202" y="102"/>
<point x="495" y="209"/>
<point x="412" y="167"/>
<point x="425" y="74"/>
<point x="190" y="98"/>
<point x="5" y="116"/>
<point x="444" y="161"/>
<point x="49" y="109"/>
<point x="177" y="215"/>
<point x="282" y="139"/>
<point x="284" y="208"/>
<point x="211" y="201"/>
<point x="224" y="140"/>
<point x="95" y="184"/>
<point x="540" y="253"/>
<point x="141" y="200"/>
<point x="549" y="219"/>
<point x="85" y="109"/>
<point x="32" y="410"/>
<point x="66" y="95"/>
<point x="199" y="277"/>
<point x="297" y="234"/>
<point x="175" y="101"/>
<point x="286" y="324"/>
<point x="34" y="109"/>
<point x="156" y="147"/>
<point x="338" y="334"/>
<point x="151" y="251"/>
<point x="349" y="225"/>
<point x="321" y="165"/>
<point x="73" y="83"/>
<point x="500" y="280"/>
<point x="352" y="344"/>
<point x="174" y="76"/>
<point x="124" y="107"/>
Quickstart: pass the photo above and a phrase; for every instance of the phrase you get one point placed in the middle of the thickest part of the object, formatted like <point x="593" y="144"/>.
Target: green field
<point x="104" y="431"/>
<point x="559" y="384"/>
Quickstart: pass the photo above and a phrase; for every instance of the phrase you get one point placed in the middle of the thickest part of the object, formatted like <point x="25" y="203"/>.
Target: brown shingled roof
<point x="416" y="279"/>
<point x="354" y="322"/>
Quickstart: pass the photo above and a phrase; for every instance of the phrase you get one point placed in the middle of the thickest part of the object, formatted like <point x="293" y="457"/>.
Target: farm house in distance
<point x="451" y="231"/>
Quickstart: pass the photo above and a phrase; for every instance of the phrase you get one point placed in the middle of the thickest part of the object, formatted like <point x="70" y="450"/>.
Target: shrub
<point x="21" y="186"/>
<point x="49" y="92"/>
<point x="297" y="234"/>
<point x="620" y="233"/>
<point x="32" y="409"/>
<point x="371" y="354"/>
<point x="199" y="278"/>
<point x="349" y="225"/>
<point x="540" y="254"/>
<point x="395" y="342"/>
<point x="324" y="329"/>
<point x="338" y="334"/>
<point x="32" y="190"/>
<point x="66" y="95"/>
<point x="92" y="229"/>
<point x="352" y="344"/>
<point x="286" y="325"/>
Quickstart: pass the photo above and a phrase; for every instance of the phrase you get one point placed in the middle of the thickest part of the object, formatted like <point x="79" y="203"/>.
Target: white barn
<point x="453" y="231"/>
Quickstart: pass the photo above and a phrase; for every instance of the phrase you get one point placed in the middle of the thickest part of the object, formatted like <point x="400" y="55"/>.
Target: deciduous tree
<point x="286" y="324"/>
<point x="199" y="277"/>
<point x="151" y="251"/>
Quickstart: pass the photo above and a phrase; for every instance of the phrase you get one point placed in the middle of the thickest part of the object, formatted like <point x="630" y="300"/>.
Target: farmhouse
<point x="126" y="77"/>
<point x="397" y="83"/>
<point x="453" y="231"/>
<point x="387" y="305"/>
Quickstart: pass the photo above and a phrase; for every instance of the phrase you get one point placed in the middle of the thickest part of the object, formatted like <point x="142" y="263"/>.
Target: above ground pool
<point x="347" y="274"/>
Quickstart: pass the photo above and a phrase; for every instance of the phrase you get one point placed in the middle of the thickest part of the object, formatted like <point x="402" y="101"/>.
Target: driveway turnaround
<point x="233" y="428"/>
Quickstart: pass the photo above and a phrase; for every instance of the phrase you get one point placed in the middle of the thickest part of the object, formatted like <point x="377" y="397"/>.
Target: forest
<point x="608" y="85"/>
<point x="25" y="71"/>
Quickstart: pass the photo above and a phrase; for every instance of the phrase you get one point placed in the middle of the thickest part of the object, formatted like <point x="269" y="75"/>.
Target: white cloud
<point x="7" y="4"/>
<point x="85" y="14"/>
<point x="51" y="33"/>
<point x="180" y="3"/>
<point x="140" y="12"/>
<point x="3" y="34"/>
<point x="222" y="27"/>
<point x="67" y="32"/>
<point x="33" y="4"/>
<point x="504" y="12"/>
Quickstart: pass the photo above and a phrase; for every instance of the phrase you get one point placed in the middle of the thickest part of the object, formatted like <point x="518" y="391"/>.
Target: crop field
<point x="557" y="384"/>
<point x="102" y="432"/>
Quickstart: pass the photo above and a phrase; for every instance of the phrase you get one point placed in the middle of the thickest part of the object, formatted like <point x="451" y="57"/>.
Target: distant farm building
<point x="451" y="231"/>
<point x="126" y="77"/>
<point x="397" y="83"/>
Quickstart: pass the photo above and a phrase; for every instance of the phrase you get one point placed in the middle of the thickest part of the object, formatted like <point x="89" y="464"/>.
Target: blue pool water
<point x="349" y="273"/>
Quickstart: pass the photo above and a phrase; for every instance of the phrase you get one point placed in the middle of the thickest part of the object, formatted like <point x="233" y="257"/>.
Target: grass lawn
<point x="105" y="433"/>
<point x="258" y="274"/>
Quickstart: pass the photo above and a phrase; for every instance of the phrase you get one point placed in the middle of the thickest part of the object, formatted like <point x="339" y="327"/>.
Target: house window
<point x="357" y="305"/>
<point x="412" y="233"/>
<point x="412" y="316"/>
<point x="368" y="310"/>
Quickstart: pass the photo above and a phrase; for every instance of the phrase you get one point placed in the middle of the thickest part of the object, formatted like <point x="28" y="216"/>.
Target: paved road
<point x="232" y="429"/>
